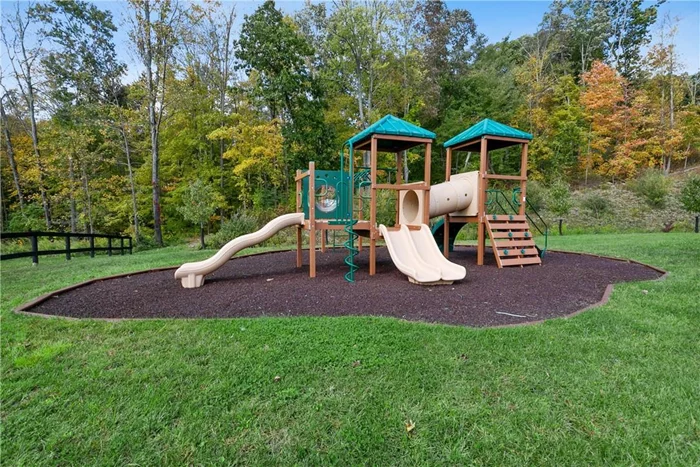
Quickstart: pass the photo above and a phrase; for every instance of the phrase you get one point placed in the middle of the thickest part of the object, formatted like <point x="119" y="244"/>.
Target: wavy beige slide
<point x="417" y="256"/>
<point x="192" y="275"/>
<point x="431" y="254"/>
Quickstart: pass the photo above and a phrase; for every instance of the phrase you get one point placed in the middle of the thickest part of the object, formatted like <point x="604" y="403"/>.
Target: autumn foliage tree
<point x="88" y="144"/>
<point x="607" y="111"/>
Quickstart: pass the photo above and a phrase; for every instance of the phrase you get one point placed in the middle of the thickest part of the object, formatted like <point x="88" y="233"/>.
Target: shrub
<point x="653" y="186"/>
<point x="559" y="198"/>
<point x="690" y="194"/>
<point x="240" y="223"/>
<point x="596" y="203"/>
<point x="386" y="206"/>
<point x="199" y="202"/>
<point x="145" y="241"/>
<point x="536" y="195"/>
<point x="31" y="219"/>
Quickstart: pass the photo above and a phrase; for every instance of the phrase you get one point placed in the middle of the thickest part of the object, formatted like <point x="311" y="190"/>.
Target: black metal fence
<point x="33" y="237"/>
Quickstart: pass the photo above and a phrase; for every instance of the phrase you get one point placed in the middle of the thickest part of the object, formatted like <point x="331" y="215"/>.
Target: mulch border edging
<point x="22" y="309"/>
<point x="606" y="293"/>
<point x="624" y="260"/>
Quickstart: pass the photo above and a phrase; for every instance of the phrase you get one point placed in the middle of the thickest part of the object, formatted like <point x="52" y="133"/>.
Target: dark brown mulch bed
<point x="270" y="285"/>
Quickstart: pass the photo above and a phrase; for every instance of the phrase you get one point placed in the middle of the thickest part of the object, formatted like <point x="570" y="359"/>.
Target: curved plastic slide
<point x="430" y="253"/>
<point x="192" y="275"/>
<point x="412" y="255"/>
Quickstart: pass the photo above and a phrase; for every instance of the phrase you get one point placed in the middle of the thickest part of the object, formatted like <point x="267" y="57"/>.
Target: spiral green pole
<point x="349" y="220"/>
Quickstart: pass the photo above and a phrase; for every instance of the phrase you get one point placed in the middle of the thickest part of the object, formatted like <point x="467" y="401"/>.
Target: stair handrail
<point x="499" y="193"/>
<point x="529" y="205"/>
<point x="515" y="205"/>
<point x="516" y="200"/>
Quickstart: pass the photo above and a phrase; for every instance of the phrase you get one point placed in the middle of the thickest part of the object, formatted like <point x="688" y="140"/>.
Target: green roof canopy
<point x="487" y="127"/>
<point x="391" y="126"/>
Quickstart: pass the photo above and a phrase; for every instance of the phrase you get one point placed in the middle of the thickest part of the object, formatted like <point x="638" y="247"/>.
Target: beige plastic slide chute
<point x="431" y="254"/>
<point x="192" y="275"/>
<point x="406" y="257"/>
<point x="414" y="252"/>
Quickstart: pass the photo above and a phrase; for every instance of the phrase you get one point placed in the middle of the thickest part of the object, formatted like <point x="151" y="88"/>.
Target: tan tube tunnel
<point x="454" y="197"/>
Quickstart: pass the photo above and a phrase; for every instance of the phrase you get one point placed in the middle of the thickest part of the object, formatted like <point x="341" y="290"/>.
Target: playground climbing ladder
<point x="512" y="241"/>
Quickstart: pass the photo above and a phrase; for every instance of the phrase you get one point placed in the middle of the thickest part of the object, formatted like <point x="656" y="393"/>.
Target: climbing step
<point x="507" y="217"/>
<point x="510" y="252"/>
<point x="512" y="240"/>
<point x="515" y="243"/>
<point x="506" y="234"/>
<point x="505" y="225"/>
<point x="521" y="261"/>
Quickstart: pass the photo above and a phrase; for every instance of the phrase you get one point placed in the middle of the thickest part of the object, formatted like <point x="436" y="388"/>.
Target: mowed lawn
<point x="619" y="384"/>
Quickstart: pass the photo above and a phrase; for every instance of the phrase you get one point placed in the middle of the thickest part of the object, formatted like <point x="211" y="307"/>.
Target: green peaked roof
<point x="390" y="125"/>
<point x="487" y="127"/>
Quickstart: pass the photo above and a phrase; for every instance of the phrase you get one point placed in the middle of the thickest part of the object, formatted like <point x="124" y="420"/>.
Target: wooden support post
<point x="312" y="219"/>
<point x="523" y="181"/>
<point x="34" y="240"/>
<point x="399" y="177"/>
<point x="109" y="246"/>
<point x="399" y="168"/>
<point x="299" y="227"/>
<point x="323" y="240"/>
<point x="481" y="237"/>
<point x="373" y="208"/>
<point x="446" y="217"/>
<point x="426" y="179"/>
<point x="121" y="246"/>
<point x="92" y="246"/>
<point x="448" y="165"/>
<point x="68" y="247"/>
<point x="359" y="244"/>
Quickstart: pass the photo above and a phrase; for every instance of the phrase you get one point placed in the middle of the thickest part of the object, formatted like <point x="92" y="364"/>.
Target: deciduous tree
<point x="24" y="56"/>
<point x="157" y="28"/>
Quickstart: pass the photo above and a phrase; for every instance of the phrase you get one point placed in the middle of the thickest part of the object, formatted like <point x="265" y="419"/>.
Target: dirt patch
<point x="271" y="285"/>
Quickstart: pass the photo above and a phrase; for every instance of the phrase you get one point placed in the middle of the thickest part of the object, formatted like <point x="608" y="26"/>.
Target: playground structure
<point x="509" y="232"/>
<point x="346" y="201"/>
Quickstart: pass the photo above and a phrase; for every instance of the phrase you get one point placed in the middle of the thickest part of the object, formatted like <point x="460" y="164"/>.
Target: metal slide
<point x="192" y="275"/>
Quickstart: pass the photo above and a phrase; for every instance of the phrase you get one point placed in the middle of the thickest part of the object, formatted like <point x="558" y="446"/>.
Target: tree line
<point x="218" y="121"/>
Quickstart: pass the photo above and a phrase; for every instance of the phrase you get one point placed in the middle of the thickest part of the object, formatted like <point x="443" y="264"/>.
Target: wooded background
<point x="217" y="122"/>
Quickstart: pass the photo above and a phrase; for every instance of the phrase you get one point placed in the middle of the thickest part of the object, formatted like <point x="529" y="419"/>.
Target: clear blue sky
<point x="496" y="19"/>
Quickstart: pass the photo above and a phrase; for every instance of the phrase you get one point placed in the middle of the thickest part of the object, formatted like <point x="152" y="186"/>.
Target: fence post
<point x="109" y="246"/>
<point x="35" y="248"/>
<point x="92" y="246"/>
<point x="68" y="247"/>
<point x="121" y="246"/>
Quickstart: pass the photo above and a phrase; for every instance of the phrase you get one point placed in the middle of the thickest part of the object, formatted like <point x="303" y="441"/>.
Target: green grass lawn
<point x="619" y="384"/>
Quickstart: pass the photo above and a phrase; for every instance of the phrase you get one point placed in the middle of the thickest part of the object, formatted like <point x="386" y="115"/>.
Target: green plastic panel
<point x="332" y="196"/>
